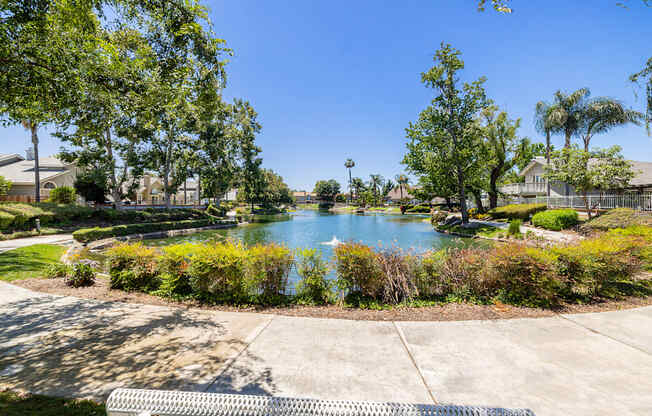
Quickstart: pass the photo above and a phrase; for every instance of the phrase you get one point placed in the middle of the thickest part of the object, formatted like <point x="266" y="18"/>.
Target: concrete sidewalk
<point x="592" y="364"/>
<point x="30" y="241"/>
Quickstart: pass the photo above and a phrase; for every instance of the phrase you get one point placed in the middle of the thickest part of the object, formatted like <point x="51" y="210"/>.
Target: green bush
<point x="268" y="268"/>
<point x="517" y="211"/>
<point x="357" y="269"/>
<point x="63" y="195"/>
<point x="556" y="219"/>
<point x="438" y="217"/>
<point x="420" y="209"/>
<point x="314" y="286"/>
<point x="86" y="235"/>
<point x="217" y="211"/>
<point x="132" y="267"/>
<point x="514" y="227"/>
<point x="6" y="219"/>
<point x="79" y="275"/>
<point x="618" y="218"/>
<point x="172" y="266"/>
<point x="217" y="271"/>
<point x="57" y="270"/>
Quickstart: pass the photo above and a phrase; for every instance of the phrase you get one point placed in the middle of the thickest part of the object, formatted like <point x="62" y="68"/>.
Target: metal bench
<point x="130" y="402"/>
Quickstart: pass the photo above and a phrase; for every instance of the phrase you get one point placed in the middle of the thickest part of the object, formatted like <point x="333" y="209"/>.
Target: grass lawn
<point x="26" y="262"/>
<point x="484" y="230"/>
<point x="16" y="404"/>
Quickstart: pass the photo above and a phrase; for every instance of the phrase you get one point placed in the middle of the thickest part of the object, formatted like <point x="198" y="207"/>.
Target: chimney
<point x="29" y="153"/>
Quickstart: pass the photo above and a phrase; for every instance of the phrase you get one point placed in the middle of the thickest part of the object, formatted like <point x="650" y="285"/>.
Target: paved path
<point x="592" y="364"/>
<point x="30" y="241"/>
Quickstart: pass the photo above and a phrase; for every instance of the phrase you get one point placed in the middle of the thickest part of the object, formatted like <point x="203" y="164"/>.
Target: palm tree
<point x="349" y="164"/>
<point x="402" y="180"/>
<point x="546" y="124"/>
<point x="567" y="112"/>
<point x="601" y="114"/>
<point x="32" y="126"/>
<point x="375" y="183"/>
<point x="358" y="186"/>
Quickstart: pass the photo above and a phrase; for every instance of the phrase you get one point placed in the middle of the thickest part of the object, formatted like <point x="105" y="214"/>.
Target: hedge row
<point x="20" y="216"/>
<point x="618" y="218"/>
<point x="86" y="235"/>
<point x="517" y="211"/>
<point x="514" y="273"/>
<point x="556" y="219"/>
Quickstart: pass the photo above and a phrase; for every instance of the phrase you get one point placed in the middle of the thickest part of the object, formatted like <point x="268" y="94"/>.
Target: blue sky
<point x="338" y="79"/>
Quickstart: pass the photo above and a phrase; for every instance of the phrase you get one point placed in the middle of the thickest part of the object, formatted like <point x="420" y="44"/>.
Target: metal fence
<point x="639" y="202"/>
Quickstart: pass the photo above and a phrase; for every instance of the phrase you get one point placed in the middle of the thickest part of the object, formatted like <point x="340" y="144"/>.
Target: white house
<point x="535" y="183"/>
<point x="20" y="171"/>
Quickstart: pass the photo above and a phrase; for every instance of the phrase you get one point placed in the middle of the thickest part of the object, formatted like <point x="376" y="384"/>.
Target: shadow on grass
<point x="26" y="262"/>
<point x="75" y="348"/>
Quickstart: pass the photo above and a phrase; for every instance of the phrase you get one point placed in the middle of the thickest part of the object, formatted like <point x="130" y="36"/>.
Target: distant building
<point x="150" y="191"/>
<point x="303" y="197"/>
<point x="20" y="171"/>
<point x="395" y="195"/>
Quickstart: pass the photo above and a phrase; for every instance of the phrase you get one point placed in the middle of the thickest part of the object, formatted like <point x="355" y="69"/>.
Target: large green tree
<point x="644" y="78"/>
<point x="446" y="140"/>
<point x="327" y="190"/>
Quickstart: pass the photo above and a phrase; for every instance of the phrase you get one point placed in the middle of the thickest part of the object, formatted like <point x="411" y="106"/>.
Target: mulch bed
<point x="448" y="312"/>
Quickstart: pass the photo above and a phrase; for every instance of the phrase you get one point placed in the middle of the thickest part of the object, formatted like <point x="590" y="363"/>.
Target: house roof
<point x="303" y="193"/>
<point x="395" y="194"/>
<point x="16" y="169"/>
<point x="642" y="170"/>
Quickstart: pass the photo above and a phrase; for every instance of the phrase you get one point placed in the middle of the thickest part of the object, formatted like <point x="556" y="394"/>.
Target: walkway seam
<point x="414" y="361"/>
<point x="232" y="360"/>
<point x="595" y="331"/>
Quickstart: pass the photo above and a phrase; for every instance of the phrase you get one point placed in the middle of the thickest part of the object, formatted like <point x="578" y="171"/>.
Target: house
<point x="150" y="191"/>
<point x="535" y="184"/>
<point x="20" y="171"/>
<point x="395" y="195"/>
<point x="303" y="197"/>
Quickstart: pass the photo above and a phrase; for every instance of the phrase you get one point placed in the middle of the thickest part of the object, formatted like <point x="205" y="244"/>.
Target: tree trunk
<point x="115" y="188"/>
<point x="185" y="192"/>
<point x="586" y="204"/>
<point x="448" y="203"/>
<point x="493" y="185"/>
<point x="199" y="189"/>
<point x="350" y="189"/>
<point x="462" y="192"/>
<point x="478" y="201"/>
<point x="37" y="174"/>
<point x="166" y="176"/>
<point x="567" y="143"/>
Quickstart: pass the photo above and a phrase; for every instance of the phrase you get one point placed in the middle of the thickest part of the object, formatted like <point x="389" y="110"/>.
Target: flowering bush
<point x="132" y="267"/>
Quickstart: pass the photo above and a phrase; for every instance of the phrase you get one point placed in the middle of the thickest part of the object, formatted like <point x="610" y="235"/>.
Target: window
<point x="49" y="185"/>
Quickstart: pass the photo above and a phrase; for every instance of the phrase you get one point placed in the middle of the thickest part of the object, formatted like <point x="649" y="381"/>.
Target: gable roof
<point x="19" y="171"/>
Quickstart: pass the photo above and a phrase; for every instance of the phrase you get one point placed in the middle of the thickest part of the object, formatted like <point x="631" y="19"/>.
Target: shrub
<point x="132" y="267"/>
<point x="357" y="269"/>
<point x="428" y="278"/>
<point x="217" y="271"/>
<point x="57" y="270"/>
<point x="80" y="275"/>
<point x="86" y="235"/>
<point x="63" y="195"/>
<point x="172" y="266"/>
<point x="618" y="218"/>
<point x="398" y="271"/>
<point x="268" y="268"/>
<point x="6" y="219"/>
<point x="458" y="273"/>
<point x="517" y="211"/>
<point x="314" y="287"/>
<point x="556" y="219"/>
<point x="420" y="209"/>
<point x="325" y="205"/>
<point x="514" y="227"/>
<point x="593" y="265"/>
<point x="218" y="211"/>
<point x="520" y="275"/>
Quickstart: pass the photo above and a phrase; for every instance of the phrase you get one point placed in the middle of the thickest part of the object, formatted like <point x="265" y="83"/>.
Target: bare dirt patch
<point x="446" y="312"/>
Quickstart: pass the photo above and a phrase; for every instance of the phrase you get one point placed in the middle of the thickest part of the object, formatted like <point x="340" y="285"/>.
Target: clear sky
<point x="338" y="79"/>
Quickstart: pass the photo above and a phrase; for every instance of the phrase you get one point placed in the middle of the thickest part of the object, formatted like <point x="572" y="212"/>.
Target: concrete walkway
<point x="30" y="241"/>
<point x="593" y="364"/>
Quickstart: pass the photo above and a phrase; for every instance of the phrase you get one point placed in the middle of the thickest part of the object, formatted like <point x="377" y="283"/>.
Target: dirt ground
<point x="447" y="312"/>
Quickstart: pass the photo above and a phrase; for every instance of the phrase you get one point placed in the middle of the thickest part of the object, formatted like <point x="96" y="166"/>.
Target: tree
<point x="597" y="170"/>
<point x="645" y="76"/>
<point x="446" y="140"/>
<point x="388" y="186"/>
<point x="403" y="181"/>
<point x="358" y="186"/>
<point x="326" y="190"/>
<point x="5" y="186"/>
<point x="92" y="185"/>
<point x="375" y="186"/>
<point x="602" y="114"/>
<point x="502" y="6"/>
<point x="567" y="112"/>
<point x="547" y="124"/>
<point x="349" y="164"/>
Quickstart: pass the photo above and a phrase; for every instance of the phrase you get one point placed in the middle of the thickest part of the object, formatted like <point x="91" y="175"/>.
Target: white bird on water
<point x="333" y="242"/>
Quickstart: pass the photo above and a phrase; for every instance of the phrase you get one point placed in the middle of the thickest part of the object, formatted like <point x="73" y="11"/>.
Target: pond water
<point x="312" y="229"/>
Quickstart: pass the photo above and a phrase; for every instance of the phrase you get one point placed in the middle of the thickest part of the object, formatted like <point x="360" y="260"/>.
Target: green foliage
<point x="357" y="269"/>
<point x="63" y="195"/>
<point x="327" y="190"/>
<point x="172" y="266"/>
<point x="618" y="218"/>
<point x="514" y="227"/>
<point x="556" y="219"/>
<point x="22" y="404"/>
<point x="57" y="270"/>
<point x="6" y="219"/>
<point x="438" y="217"/>
<point x="268" y="268"/>
<point x="645" y="77"/>
<point x="420" y="209"/>
<point x="86" y="235"/>
<point x="80" y="275"/>
<point x="217" y="271"/>
<point x="132" y="267"/>
<point x="517" y="211"/>
<point x="217" y="211"/>
<point x="5" y="186"/>
<point x="92" y="185"/>
<point x="314" y="287"/>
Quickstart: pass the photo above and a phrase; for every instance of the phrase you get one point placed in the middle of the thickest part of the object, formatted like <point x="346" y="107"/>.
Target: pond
<point x="313" y="229"/>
